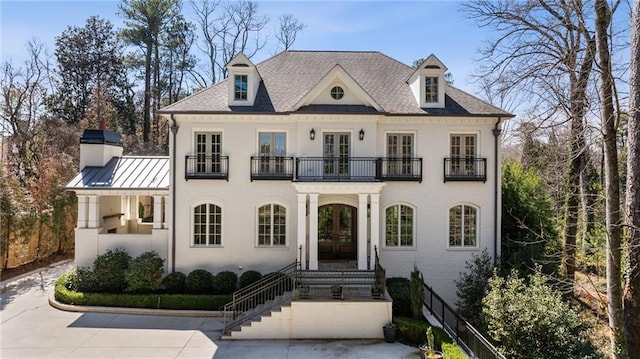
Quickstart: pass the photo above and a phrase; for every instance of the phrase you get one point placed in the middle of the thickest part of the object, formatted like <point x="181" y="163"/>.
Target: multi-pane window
<point x="208" y="151"/>
<point x="336" y="154"/>
<point x="399" y="226"/>
<point x="207" y="225"/>
<point x="399" y="151"/>
<point x="463" y="226"/>
<point x="240" y="88"/>
<point x="272" y="152"/>
<point x="431" y="89"/>
<point x="272" y="225"/>
<point x="463" y="153"/>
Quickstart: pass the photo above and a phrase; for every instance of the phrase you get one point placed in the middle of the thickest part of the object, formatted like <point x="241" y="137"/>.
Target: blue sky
<point x="404" y="30"/>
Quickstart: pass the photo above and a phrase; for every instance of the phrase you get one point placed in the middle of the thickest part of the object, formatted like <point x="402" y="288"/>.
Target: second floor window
<point x="463" y="153"/>
<point x="272" y="151"/>
<point x="240" y="87"/>
<point x="431" y="89"/>
<point x="399" y="151"/>
<point x="208" y="148"/>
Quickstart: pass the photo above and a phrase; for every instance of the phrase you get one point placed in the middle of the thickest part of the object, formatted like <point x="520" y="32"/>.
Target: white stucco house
<point x="320" y="157"/>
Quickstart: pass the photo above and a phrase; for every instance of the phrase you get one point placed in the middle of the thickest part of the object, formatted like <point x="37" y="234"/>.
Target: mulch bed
<point x="37" y="264"/>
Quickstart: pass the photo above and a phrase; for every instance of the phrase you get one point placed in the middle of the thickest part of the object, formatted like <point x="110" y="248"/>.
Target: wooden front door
<point x="337" y="232"/>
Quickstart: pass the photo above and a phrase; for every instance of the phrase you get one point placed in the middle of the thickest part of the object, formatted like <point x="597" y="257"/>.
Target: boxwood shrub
<point x="249" y="277"/>
<point x="174" y="282"/>
<point x="199" y="281"/>
<point x="400" y="291"/>
<point x="225" y="282"/>
<point x="108" y="269"/>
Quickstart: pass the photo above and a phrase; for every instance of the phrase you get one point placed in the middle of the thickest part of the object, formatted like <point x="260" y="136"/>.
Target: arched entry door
<point x="337" y="232"/>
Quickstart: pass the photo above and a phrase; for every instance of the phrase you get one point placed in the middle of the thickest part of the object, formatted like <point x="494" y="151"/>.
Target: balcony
<point x="358" y="169"/>
<point x="206" y="167"/>
<point x="271" y="168"/>
<point x="465" y="169"/>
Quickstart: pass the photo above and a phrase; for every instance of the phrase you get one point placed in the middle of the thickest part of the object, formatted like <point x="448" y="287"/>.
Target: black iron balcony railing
<point x="465" y="169"/>
<point x="358" y="169"/>
<point x="206" y="167"/>
<point x="271" y="168"/>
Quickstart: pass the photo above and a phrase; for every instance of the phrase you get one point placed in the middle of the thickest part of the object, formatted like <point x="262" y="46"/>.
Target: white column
<point x="313" y="231"/>
<point x="302" y="230"/>
<point x="134" y="207"/>
<point x="94" y="210"/>
<point x="157" y="212"/>
<point x="362" y="231"/>
<point x="82" y="211"/>
<point x="165" y="212"/>
<point x="375" y="226"/>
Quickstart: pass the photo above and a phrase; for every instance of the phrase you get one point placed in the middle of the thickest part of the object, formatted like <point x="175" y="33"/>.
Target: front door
<point x="337" y="232"/>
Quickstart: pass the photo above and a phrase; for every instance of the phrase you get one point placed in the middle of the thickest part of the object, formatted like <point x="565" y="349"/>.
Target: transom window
<point x="399" y="226"/>
<point x="207" y="225"/>
<point x="463" y="226"/>
<point x="431" y="89"/>
<point x="337" y="92"/>
<point x="272" y="226"/>
<point x="240" y="89"/>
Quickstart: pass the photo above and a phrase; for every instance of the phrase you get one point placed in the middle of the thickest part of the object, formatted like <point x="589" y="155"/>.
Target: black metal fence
<point x="358" y="169"/>
<point x="271" y="168"/>
<point x="460" y="330"/>
<point x="465" y="169"/>
<point x="206" y="167"/>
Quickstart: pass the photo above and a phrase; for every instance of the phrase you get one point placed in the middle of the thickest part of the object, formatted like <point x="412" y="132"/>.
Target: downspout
<point x="174" y="131"/>
<point x="496" y="134"/>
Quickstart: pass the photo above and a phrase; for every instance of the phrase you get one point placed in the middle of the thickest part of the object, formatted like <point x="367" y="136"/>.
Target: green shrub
<point x="532" y="321"/>
<point x="472" y="287"/>
<point x="414" y="331"/>
<point x="416" y="293"/>
<point x="249" y="277"/>
<point x="144" y="274"/>
<point x="452" y="351"/>
<point x="199" y="281"/>
<point x="109" y="271"/>
<point x="80" y="279"/>
<point x="225" y="282"/>
<point x="174" y="282"/>
<point x="399" y="290"/>
<point x="151" y="301"/>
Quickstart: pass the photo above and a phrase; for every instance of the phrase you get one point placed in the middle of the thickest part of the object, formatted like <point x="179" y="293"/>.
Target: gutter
<point x="174" y="132"/>
<point x="496" y="134"/>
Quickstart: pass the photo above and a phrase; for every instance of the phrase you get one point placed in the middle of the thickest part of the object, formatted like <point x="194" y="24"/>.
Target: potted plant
<point x="427" y="350"/>
<point x="304" y="290"/>
<point x="389" y="330"/>
<point x="336" y="291"/>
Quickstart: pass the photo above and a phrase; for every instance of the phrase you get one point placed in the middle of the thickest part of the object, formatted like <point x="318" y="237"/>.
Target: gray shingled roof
<point x="290" y="75"/>
<point x="130" y="172"/>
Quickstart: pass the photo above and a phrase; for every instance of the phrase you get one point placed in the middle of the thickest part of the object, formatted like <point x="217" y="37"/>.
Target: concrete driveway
<point x="31" y="328"/>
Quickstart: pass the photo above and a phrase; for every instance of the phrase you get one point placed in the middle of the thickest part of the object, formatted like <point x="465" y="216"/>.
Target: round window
<point x="337" y="92"/>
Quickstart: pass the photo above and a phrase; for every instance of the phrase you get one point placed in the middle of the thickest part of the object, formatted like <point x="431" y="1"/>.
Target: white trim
<point x="414" y="243"/>
<point x="257" y="224"/>
<point x="192" y="223"/>
<point x="478" y="227"/>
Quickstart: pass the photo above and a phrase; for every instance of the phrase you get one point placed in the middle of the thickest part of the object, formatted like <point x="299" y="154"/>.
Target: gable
<point x="338" y="88"/>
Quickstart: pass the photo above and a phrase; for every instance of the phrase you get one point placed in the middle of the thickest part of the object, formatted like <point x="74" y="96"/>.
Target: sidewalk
<point x="31" y="328"/>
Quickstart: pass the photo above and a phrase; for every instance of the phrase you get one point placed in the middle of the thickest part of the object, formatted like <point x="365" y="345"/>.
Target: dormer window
<point x="241" y="86"/>
<point x="431" y="89"/>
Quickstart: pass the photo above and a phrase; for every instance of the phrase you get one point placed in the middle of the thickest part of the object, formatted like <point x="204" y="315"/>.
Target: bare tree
<point x="612" y="178"/>
<point x="631" y="298"/>
<point x="227" y="29"/>
<point x="288" y="31"/>
<point x="544" y="53"/>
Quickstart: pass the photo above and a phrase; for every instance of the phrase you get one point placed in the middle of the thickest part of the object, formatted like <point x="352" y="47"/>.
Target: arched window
<point x="399" y="226"/>
<point x="207" y="225"/>
<point x="463" y="226"/>
<point x="272" y="225"/>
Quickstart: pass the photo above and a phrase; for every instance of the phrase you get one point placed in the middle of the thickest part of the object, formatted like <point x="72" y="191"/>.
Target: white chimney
<point x="97" y="147"/>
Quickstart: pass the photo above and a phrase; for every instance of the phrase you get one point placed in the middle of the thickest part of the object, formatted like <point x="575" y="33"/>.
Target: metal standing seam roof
<point x="128" y="172"/>
<point x="288" y="76"/>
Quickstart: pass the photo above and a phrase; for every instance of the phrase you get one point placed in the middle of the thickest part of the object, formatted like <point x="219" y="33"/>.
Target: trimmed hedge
<point x="415" y="331"/>
<point x="199" y="281"/>
<point x="452" y="351"/>
<point x="249" y="277"/>
<point x="400" y="291"/>
<point x="225" y="282"/>
<point x="174" y="283"/>
<point x="151" y="301"/>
